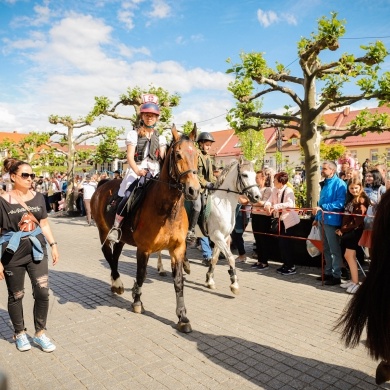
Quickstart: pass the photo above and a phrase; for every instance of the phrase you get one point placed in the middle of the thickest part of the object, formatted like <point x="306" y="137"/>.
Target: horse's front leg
<point x="234" y="287"/>
<point x="210" y="283"/>
<point x="112" y="257"/>
<point x="142" y="262"/>
<point x="224" y="248"/>
<point x="177" y="259"/>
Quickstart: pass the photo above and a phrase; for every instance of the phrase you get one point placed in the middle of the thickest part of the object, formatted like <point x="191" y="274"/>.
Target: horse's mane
<point x="224" y="173"/>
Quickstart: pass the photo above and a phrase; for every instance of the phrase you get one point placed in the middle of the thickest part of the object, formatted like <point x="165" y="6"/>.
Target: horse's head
<point x="183" y="163"/>
<point x="246" y="180"/>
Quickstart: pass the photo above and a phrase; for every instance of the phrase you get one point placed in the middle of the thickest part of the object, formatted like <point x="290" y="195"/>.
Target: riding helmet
<point x="205" y="136"/>
<point x="153" y="108"/>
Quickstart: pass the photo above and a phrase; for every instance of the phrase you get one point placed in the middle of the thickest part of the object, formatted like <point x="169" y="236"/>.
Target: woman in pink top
<point x="261" y="220"/>
<point x="282" y="198"/>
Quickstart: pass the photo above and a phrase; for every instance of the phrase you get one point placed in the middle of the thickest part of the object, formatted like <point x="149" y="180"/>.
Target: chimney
<point x="346" y="111"/>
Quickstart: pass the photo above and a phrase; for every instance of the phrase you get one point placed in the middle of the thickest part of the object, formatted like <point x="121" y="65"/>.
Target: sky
<point x="56" y="56"/>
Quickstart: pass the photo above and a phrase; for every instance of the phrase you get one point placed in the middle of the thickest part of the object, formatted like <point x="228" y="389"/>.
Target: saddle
<point x="134" y="202"/>
<point x="204" y="212"/>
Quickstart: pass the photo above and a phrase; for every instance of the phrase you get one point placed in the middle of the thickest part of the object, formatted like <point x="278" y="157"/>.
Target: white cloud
<point x="126" y="17"/>
<point x="180" y="40"/>
<point x="36" y="40"/>
<point x="290" y="19"/>
<point x="129" y="52"/>
<point x="209" y="114"/>
<point x="160" y="9"/>
<point x="131" y="9"/>
<point x="78" y="62"/>
<point x="6" y="118"/>
<point x="197" y="38"/>
<point x="41" y="17"/>
<point x="266" y="18"/>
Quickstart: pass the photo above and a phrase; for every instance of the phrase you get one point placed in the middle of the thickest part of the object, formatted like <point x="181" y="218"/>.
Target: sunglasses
<point x="25" y="175"/>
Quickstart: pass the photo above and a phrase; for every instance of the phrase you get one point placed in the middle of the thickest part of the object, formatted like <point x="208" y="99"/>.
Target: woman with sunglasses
<point x="374" y="189"/>
<point x="23" y="249"/>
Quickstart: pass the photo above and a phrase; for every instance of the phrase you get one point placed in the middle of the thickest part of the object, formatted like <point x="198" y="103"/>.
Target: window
<point x="388" y="154"/>
<point x="294" y="141"/>
<point x="354" y="154"/>
<point x="374" y="155"/>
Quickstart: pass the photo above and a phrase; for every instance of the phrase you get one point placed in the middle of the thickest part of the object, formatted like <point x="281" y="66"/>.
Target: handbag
<point x="370" y="213"/>
<point x="369" y="218"/>
<point x="314" y="242"/>
<point x="274" y="227"/>
<point x="28" y="222"/>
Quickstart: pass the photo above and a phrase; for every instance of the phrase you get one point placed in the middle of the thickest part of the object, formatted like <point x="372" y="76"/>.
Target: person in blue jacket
<point x="332" y="199"/>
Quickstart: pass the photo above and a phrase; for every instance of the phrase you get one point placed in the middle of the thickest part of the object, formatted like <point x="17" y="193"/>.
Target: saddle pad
<point x="206" y="210"/>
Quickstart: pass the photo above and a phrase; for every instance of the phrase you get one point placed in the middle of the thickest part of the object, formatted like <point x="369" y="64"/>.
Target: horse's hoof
<point x="235" y="289"/>
<point x="187" y="267"/>
<point x="117" y="286"/>
<point x="117" y="290"/>
<point x="382" y="373"/>
<point x="184" y="327"/>
<point x="211" y="286"/>
<point x="162" y="273"/>
<point x="138" y="308"/>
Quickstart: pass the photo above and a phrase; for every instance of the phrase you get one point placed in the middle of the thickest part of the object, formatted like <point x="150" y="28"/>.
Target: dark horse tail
<point x="370" y="306"/>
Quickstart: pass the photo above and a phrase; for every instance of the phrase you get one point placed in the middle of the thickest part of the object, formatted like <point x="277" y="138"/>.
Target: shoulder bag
<point x="28" y="222"/>
<point x="274" y="228"/>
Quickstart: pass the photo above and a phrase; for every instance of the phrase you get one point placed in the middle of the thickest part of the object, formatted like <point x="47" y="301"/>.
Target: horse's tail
<point x="99" y="202"/>
<point x="369" y="306"/>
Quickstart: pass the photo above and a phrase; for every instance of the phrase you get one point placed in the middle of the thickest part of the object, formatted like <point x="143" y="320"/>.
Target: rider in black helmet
<point x="206" y="180"/>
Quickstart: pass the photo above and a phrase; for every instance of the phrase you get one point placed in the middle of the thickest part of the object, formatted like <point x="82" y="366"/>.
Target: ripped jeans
<point x="15" y="268"/>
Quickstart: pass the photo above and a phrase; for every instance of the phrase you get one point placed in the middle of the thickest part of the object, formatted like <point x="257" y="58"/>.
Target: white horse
<point x="239" y="178"/>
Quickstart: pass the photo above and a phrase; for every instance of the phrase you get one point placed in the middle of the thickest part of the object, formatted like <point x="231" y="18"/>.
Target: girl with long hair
<point x="351" y="230"/>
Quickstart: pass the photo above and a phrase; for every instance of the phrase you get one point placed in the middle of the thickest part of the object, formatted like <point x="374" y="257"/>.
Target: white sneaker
<point x="347" y="284"/>
<point x="352" y="289"/>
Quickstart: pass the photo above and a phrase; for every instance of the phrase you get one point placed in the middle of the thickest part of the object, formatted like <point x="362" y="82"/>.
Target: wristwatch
<point x="53" y="243"/>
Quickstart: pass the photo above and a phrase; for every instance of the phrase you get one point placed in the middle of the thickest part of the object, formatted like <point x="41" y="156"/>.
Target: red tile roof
<point x="226" y="142"/>
<point x="15" y="137"/>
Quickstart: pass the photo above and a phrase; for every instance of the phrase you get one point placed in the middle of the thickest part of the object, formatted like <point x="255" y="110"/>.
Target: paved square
<point x="277" y="334"/>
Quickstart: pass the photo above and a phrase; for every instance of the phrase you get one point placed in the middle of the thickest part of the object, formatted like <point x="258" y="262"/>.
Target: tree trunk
<point x="70" y="194"/>
<point x="310" y="142"/>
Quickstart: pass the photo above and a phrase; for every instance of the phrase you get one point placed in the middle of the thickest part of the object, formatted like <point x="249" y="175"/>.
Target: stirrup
<point x="114" y="235"/>
<point x="191" y="236"/>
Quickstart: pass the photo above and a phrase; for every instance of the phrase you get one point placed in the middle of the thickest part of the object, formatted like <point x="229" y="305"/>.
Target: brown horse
<point x="161" y="222"/>
<point x="370" y="306"/>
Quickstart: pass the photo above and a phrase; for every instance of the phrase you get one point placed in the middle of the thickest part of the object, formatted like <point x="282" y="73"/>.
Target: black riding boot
<point x="191" y="237"/>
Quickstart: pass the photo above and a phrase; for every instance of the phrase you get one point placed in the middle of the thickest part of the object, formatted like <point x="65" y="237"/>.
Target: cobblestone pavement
<point x="276" y="334"/>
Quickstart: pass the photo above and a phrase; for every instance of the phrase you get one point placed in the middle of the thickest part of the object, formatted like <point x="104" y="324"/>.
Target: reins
<point x="239" y="183"/>
<point x="173" y="171"/>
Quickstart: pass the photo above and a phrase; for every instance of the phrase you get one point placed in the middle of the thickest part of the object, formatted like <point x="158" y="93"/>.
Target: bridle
<point x="174" y="174"/>
<point x="239" y="185"/>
